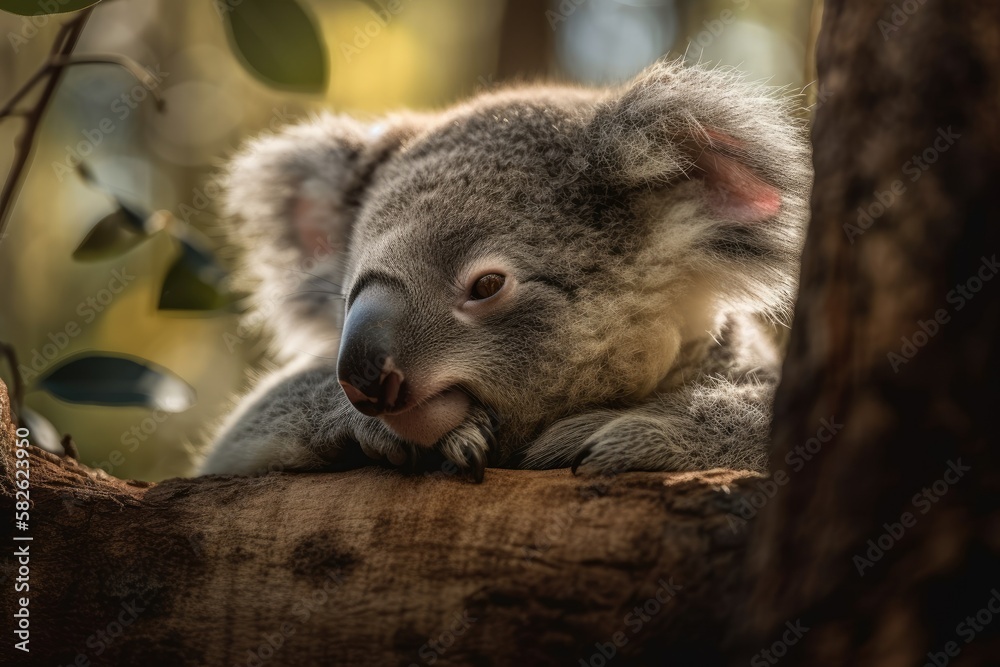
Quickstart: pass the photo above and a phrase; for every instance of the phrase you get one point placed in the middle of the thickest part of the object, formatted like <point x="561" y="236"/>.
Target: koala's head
<point x="531" y="252"/>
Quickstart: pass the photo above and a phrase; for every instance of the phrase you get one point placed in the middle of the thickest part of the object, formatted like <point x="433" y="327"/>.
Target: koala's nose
<point x="366" y="369"/>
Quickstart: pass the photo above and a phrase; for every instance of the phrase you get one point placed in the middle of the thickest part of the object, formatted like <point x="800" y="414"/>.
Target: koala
<point x="539" y="277"/>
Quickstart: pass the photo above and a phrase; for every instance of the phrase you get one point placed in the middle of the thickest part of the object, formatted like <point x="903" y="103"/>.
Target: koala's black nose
<point x="365" y="367"/>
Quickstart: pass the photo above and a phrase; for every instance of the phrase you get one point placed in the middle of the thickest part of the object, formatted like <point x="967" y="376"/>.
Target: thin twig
<point x="29" y="85"/>
<point x="65" y="42"/>
<point x="69" y="447"/>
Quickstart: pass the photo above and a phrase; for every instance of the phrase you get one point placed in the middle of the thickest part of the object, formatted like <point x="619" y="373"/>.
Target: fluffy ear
<point x="735" y="186"/>
<point x="733" y="156"/>
<point x="292" y="198"/>
<point x="674" y="123"/>
<point x="296" y="192"/>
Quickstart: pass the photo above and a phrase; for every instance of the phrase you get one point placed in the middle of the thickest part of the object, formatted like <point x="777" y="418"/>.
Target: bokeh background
<point x="160" y="161"/>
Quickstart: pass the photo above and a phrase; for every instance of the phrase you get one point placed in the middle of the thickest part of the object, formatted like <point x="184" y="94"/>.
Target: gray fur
<point x="640" y="331"/>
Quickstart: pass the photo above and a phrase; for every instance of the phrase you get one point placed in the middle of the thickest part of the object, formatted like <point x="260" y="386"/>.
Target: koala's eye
<point x="486" y="286"/>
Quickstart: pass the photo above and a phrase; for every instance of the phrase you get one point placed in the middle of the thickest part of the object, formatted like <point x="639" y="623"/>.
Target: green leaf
<point x="278" y="42"/>
<point x="113" y="235"/>
<point x="43" y="433"/>
<point x="104" y="379"/>
<point x="132" y="217"/>
<point x="35" y="7"/>
<point x="195" y="281"/>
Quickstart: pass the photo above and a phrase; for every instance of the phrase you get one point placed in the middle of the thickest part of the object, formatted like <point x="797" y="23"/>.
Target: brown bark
<point x="897" y="76"/>
<point x="368" y="567"/>
<point x="526" y="42"/>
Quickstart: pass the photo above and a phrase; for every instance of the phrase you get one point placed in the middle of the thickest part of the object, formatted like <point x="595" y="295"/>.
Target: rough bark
<point x="897" y="76"/>
<point x="371" y="566"/>
<point x="526" y="42"/>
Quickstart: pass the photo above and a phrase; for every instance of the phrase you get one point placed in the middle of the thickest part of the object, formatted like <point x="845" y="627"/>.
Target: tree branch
<point x="66" y="40"/>
<point x="375" y="567"/>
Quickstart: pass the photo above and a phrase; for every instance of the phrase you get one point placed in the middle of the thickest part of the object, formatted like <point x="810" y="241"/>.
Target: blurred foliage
<point x="43" y="433"/>
<point x="195" y="280"/>
<point x="102" y="379"/>
<point x="115" y="267"/>
<point x="279" y="43"/>
<point x="114" y="234"/>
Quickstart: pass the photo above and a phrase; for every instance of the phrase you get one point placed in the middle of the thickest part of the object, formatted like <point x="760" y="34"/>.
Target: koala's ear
<point x="673" y="123"/>
<point x="293" y="198"/>
<point x="736" y="188"/>
<point x="295" y="193"/>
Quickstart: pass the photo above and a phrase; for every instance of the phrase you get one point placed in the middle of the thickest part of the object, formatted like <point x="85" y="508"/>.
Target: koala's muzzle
<point x="365" y="367"/>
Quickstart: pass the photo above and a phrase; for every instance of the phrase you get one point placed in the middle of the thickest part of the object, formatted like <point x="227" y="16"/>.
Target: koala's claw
<point x="473" y="459"/>
<point x="468" y="446"/>
<point x="597" y="458"/>
<point x="581" y="456"/>
<point x="629" y="443"/>
<point x="488" y="435"/>
<point x="476" y="465"/>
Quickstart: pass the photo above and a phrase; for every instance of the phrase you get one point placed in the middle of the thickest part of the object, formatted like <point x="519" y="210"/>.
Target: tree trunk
<point x="886" y="539"/>
<point x="371" y="567"/>
<point x="526" y="42"/>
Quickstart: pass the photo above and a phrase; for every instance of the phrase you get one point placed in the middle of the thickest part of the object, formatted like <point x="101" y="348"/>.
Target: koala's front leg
<point x="300" y="420"/>
<point x="714" y="423"/>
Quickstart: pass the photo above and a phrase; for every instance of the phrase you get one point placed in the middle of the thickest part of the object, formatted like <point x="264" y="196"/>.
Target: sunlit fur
<point x="640" y="333"/>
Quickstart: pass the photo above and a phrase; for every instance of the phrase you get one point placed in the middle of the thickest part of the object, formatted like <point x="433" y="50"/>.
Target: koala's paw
<point x="469" y="445"/>
<point x="380" y="444"/>
<point x="627" y="443"/>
